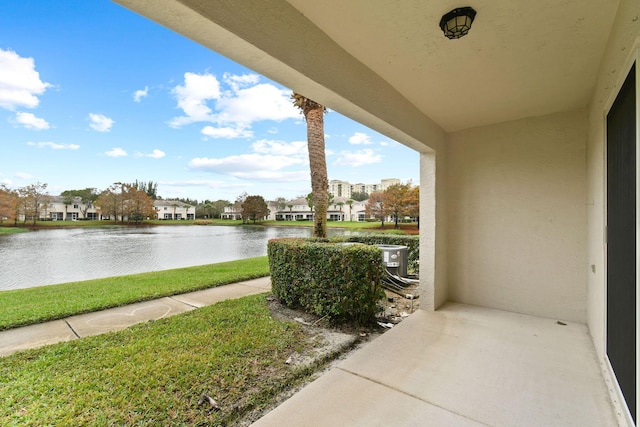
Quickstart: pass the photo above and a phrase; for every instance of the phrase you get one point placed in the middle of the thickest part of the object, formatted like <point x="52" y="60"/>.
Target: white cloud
<point x="6" y="182"/>
<point x="116" y="152"/>
<point x="357" y="158"/>
<point x="360" y="138"/>
<point x="232" y="106"/>
<point x="100" y="122"/>
<point x="256" y="103"/>
<point x="215" y="184"/>
<point x="226" y="132"/>
<point x="237" y="82"/>
<point x="274" y="176"/>
<point x="19" y="81"/>
<point x="30" y="121"/>
<point x="233" y="164"/>
<point x="281" y="148"/>
<point x="155" y="154"/>
<point x="193" y="96"/>
<point x="252" y="166"/>
<point x="23" y="175"/>
<point x="140" y="93"/>
<point x="223" y="188"/>
<point x="267" y="163"/>
<point x="54" y="146"/>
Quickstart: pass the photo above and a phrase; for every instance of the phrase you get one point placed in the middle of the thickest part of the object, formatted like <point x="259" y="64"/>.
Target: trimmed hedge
<point x="342" y="282"/>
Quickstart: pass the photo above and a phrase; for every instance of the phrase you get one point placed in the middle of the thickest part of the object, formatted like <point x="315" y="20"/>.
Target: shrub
<point x="342" y="282"/>
<point x="202" y="222"/>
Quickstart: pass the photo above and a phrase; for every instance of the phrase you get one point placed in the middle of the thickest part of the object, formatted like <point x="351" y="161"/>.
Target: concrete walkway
<point x="114" y="319"/>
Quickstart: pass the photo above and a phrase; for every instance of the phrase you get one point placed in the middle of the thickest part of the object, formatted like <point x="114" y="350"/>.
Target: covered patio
<point x="527" y="129"/>
<point x="461" y="365"/>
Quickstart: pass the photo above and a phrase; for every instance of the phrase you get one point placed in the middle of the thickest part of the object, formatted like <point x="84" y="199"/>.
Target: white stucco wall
<point x="433" y="240"/>
<point x="517" y="218"/>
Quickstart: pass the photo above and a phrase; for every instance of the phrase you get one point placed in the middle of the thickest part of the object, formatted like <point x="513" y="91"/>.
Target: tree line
<point x="131" y="201"/>
<point x="28" y="201"/>
<point x="134" y="202"/>
<point x="397" y="201"/>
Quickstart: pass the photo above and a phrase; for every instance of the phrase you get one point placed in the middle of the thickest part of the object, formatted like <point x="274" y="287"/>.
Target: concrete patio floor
<point x="460" y="366"/>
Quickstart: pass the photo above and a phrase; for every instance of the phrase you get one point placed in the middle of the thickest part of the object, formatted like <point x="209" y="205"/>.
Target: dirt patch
<point x="395" y="308"/>
<point x="332" y="343"/>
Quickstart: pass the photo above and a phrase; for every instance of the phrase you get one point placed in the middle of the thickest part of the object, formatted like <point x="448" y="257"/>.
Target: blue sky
<point x="92" y="94"/>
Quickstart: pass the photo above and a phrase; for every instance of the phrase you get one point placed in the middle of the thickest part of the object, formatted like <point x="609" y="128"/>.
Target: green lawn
<point x="11" y="230"/>
<point x="33" y="305"/>
<point x="154" y="373"/>
<point x="351" y="225"/>
<point x="57" y="224"/>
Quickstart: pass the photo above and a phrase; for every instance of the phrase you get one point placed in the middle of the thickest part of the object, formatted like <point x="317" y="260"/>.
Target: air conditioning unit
<point x="394" y="257"/>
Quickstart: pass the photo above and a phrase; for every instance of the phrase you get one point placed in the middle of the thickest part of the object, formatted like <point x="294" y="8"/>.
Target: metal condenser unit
<point x="394" y="257"/>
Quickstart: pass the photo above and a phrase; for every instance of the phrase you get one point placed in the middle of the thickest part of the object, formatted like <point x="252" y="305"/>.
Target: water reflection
<point x="65" y="255"/>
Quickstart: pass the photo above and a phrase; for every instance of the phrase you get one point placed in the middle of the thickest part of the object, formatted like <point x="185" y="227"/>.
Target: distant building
<point x="235" y="212"/>
<point x="298" y="210"/>
<point x="346" y="189"/>
<point x="295" y="210"/>
<point x="231" y="212"/>
<point x="55" y="209"/>
<point x="173" y="209"/>
<point x="338" y="210"/>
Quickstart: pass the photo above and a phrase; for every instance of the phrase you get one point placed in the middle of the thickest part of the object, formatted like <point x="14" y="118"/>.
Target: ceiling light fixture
<point x="457" y="23"/>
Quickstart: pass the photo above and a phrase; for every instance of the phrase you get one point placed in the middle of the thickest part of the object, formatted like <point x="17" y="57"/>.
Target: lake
<point x="47" y="257"/>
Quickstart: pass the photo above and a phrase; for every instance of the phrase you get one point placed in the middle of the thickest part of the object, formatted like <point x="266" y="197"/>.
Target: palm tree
<point x="67" y="200"/>
<point x="349" y="202"/>
<point x="314" y="116"/>
<point x="208" y="207"/>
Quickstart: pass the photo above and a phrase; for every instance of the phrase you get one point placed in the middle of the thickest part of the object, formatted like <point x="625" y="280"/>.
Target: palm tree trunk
<point x="318" y="166"/>
<point x="314" y="115"/>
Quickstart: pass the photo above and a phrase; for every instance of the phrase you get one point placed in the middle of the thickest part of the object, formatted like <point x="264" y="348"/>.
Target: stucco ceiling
<point x="387" y="64"/>
<point x="520" y="59"/>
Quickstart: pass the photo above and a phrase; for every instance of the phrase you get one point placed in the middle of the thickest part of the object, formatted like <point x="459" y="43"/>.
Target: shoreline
<point x="367" y="227"/>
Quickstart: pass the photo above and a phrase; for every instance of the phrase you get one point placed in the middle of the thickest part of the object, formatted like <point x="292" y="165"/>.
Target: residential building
<point x="231" y="212"/>
<point x="174" y="209"/>
<point x="528" y="134"/>
<point x="350" y="210"/>
<point x="346" y="189"/>
<point x="295" y="210"/>
<point x="56" y="209"/>
<point x="298" y="210"/>
<point x="338" y="210"/>
<point x="234" y="212"/>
